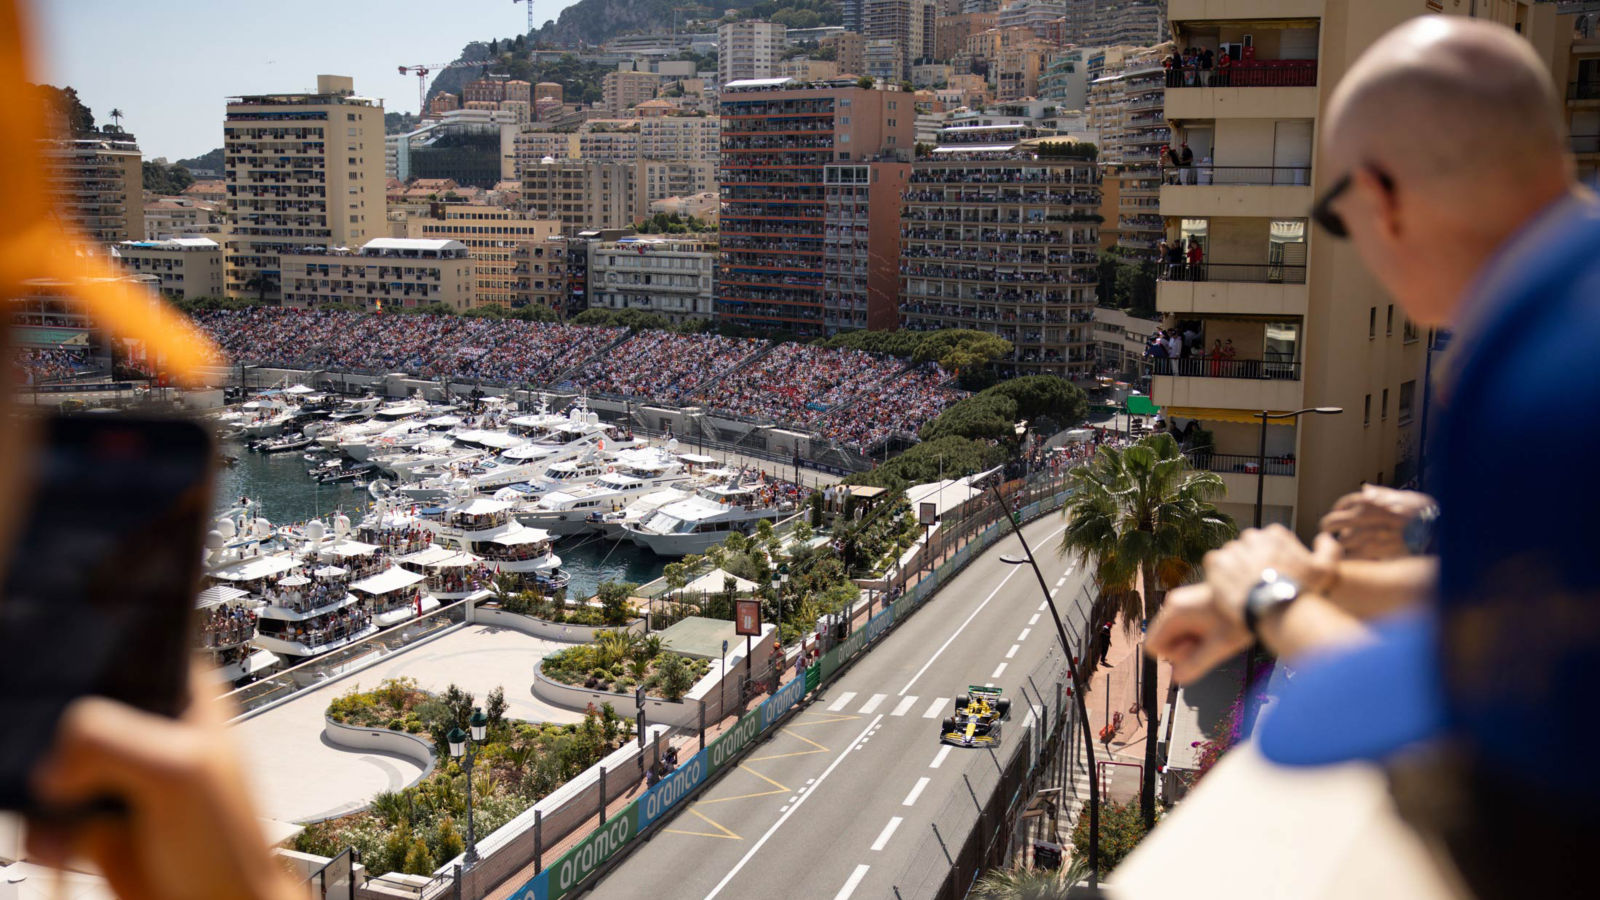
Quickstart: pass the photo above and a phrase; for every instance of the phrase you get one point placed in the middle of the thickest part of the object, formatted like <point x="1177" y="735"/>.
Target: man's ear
<point x="1378" y="190"/>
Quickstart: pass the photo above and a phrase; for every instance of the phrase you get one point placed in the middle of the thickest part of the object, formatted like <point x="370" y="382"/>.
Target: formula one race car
<point x="977" y="719"/>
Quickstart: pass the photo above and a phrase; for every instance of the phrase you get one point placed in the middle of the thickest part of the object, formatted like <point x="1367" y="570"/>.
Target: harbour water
<point x="287" y="494"/>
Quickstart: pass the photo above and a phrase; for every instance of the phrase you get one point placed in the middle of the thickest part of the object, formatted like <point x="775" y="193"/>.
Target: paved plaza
<point x="297" y="776"/>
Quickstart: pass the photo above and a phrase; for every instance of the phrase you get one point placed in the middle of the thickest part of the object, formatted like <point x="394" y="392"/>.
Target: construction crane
<point x="530" y="12"/>
<point x="422" y="73"/>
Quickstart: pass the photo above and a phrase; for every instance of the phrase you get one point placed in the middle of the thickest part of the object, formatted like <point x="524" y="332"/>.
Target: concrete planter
<point x="379" y="740"/>
<point x="550" y="631"/>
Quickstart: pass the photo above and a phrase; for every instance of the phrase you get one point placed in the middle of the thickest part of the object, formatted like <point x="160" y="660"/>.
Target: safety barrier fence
<point x="590" y="857"/>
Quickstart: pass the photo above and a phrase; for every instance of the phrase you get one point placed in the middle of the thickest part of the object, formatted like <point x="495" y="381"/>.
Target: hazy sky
<point x="169" y="65"/>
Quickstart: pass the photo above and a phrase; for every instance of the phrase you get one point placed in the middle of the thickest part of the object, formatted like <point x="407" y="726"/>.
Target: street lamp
<point x="1079" y="687"/>
<point x="1261" y="454"/>
<point x="462" y="750"/>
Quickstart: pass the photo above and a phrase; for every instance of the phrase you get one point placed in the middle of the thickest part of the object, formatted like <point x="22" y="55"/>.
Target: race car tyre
<point x="961" y="704"/>
<point x="1004" y="708"/>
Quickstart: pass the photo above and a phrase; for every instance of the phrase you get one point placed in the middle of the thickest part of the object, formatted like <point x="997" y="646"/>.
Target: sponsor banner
<point x="779" y="703"/>
<point x="830" y="663"/>
<point x="813" y="677"/>
<point x="669" y="790"/>
<point x="878" y="624"/>
<point x="581" y="861"/>
<point x="851" y="645"/>
<point x="731" y="742"/>
<point x="902" y="607"/>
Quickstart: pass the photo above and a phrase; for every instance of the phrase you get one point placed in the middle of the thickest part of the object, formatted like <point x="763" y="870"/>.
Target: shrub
<point x="676" y="679"/>
<point x="1121" y="829"/>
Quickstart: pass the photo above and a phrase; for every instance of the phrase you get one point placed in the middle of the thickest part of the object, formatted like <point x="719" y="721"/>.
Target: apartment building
<point x="96" y="185"/>
<point x="909" y="24"/>
<point x="673" y="276"/>
<point x="810" y="179"/>
<point x="614" y="141"/>
<point x="748" y="49"/>
<point x="1125" y="115"/>
<point x="170" y="217"/>
<point x="1138" y="23"/>
<point x="999" y="234"/>
<point x="497" y="89"/>
<point x="500" y="242"/>
<point x="1065" y="80"/>
<point x="581" y="194"/>
<point x="658" y="179"/>
<point x="1575" y="63"/>
<point x="300" y="170"/>
<point x="680" y="137"/>
<point x="187" y="268"/>
<point x="385" y="273"/>
<point x="1037" y="16"/>
<point x="849" y="51"/>
<point x="1306" y="324"/>
<point x="624" y="89"/>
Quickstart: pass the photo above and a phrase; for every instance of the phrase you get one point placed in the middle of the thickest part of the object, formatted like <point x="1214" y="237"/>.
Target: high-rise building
<point x="849" y="51"/>
<point x="1034" y="15"/>
<point x="385" y="273"/>
<point x="96" y="185"/>
<point x="188" y="268"/>
<point x="301" y="170"/>
<point x="1136" y="22"/>
<point x="805" y="168"/>
<point x="1576" y="64"/>
<point x="1298" y="319"/>
<point x="1125" y="114"/>
<point x="1065" y="80"/>
<point x="501" y="243"/>
<point x="624" y="89"/>
<point x="582" y="194"/>
<point x="658" y="179"/>
<point x="908" y="23"/>
<point x="748" y="49"/>
<point x="999" y="234"/>
<point x="680" y="137"/>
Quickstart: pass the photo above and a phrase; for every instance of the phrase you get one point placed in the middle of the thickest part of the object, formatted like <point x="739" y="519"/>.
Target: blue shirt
<point x="1513" y="465"/>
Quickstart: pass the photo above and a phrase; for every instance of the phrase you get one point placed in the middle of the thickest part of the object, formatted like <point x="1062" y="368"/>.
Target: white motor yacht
<point x="635" y="473"/>
<point x="486" y="529"/>
<point x="696" y="524"/>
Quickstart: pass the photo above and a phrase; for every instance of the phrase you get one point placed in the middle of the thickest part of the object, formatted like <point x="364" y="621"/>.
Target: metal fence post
<point x="456" y="886"/>
<point x="538" y="841"/>
<point x="602" y="795"/>
<point x="702" y="723"/>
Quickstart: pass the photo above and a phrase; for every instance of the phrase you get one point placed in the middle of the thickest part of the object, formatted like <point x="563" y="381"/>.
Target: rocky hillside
<point x="597" y="21"/>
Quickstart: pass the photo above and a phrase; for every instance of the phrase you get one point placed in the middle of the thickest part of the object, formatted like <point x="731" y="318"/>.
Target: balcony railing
<point x="1258" y="369"/>
<point x="1254" y="273"/>
<point x="1586" y="143"/>
<point x="1583" y="90"/>
<point x="1248" y="464"/>
<point x="1205" y="174"/>
<point x="1257" y="73"/>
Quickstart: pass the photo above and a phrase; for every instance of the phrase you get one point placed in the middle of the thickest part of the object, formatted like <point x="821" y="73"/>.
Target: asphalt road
<point x="839" y="802"/>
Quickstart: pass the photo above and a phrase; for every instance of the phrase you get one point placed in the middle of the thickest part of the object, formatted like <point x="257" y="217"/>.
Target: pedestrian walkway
<point x="1113" y="698"/>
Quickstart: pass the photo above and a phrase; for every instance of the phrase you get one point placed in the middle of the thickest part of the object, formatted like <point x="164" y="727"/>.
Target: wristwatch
<point x="1272" y="592"/>
<point x="1419" y="532"/>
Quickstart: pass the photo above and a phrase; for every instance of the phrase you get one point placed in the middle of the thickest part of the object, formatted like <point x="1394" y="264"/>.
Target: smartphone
<point x="99" y="589"/>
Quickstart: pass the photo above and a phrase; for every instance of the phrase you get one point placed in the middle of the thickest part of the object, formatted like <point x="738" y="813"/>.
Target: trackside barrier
<point x="568" y="873"/>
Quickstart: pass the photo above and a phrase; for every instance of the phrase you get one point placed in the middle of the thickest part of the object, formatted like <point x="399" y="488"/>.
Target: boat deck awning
<point x="350" y="548"/>
<point x="260" y="567"/>
<point x="426" y="557"/>
<point x="391" y="579"/>
<point x="216" y="595"/>
<point x="521" y="536"/>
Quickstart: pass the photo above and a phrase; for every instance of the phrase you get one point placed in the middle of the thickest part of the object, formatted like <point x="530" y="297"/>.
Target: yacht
<point x="568" y="508"/>
<point x="611" y="525"/>
<point x="243" y="555"/>
<point x="695" y="524"/>
<point x="486" y="529"/>
<point x="449" y="575"/>
<point x="529" y="462"/>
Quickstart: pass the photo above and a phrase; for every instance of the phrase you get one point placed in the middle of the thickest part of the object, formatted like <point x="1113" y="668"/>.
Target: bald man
<point x="1452" y="181"/>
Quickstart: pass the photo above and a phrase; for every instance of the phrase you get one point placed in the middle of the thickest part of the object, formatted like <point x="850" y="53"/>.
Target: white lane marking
<point x="784" y="809"/>
<point x="756" y="847"/>
<point x="957" y="633"/>
<point x="1013" y="651"/>
<point x="872" y="704"/>
<point x="1024" y="635"/>
<point x="1054" y="592"/>
<point x="938" y="758"/>
<point x="840" y="703"/>
<point x="1044" y="606"/>
<point x="888" y="832"/>
<point x="988" y="684"/>
<point x="903" y="706"/>
<point x="998" y="669"/>
<point x="916" y="791"/>
<point x="793" y="799"/>
<point x="851" y="882"/>
<point x="809" y="780"/>
<point x="1034" y="620"/>
<point x="1060" y="581"/>
<point x="936" y="709"/>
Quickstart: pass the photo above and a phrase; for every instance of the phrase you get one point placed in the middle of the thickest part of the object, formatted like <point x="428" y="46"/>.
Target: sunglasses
<point x="1333" y="223"/>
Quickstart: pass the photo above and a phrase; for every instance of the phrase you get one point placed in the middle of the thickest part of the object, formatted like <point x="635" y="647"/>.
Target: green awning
<point x="1140" y="405"/>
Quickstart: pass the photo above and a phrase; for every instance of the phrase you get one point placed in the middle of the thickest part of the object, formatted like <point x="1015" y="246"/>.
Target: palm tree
<point x="116" y="116"/>
<point x="1022" y="884"/>
<point x="1145" y="518"/>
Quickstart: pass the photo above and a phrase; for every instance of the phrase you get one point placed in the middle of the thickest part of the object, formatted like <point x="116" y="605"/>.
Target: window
<point x="1383" y="408"/>
<point x="1408" y="399"/>
<point x="1388" y="324"/>
<point x="1366" y="411"/>
<point x="1408" y="330"/>
<point x="1372" y="323"/>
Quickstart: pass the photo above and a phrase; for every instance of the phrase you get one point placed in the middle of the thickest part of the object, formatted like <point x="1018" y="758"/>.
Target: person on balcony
<point x="1224" y="70"/>
<point x="1196" y="260"/>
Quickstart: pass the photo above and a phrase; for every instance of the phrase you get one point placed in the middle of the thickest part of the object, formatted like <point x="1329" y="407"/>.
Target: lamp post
<point x="780" y="579"/>
<point x="463" y="750"/>
<point x="1247" y="718"/>
<point x="1079" y="687"/>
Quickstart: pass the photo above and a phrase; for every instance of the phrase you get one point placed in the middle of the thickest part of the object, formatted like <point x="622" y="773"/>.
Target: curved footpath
<point x="298" y="776"/>
<point x="842" y="799"/>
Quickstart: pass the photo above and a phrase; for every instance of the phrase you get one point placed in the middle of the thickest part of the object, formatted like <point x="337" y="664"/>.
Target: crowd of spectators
<point x="502" y="351"/>
<point x="40" y="365"/>
<point x="663" y="366"/>
<point x="878" y="415"/>
<point x="226" y="625"/>
<point x="796" y="382"/>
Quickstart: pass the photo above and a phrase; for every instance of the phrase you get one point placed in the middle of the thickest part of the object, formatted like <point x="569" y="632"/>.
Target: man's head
<point x="1444" y="137"/>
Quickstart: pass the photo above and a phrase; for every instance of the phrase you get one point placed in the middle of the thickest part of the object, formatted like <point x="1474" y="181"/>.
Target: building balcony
<point x="1247" y="191"/>
<point x="1183" y="11"/>
<point x="1585" y="90"/>
<point x="1232" y="288"/>
<point x="1269" y="89"/>
<point x="1585" y="144"/>
<point x="1248" y="384"/>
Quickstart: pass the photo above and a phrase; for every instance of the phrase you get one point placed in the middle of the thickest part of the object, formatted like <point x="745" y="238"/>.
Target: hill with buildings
<point x="597" y="21"/>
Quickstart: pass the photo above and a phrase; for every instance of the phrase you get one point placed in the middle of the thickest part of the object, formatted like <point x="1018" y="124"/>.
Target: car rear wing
<point x="981" y="689"/>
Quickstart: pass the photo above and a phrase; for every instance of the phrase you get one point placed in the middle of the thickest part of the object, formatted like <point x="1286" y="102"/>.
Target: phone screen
<point x="99" y="590"/>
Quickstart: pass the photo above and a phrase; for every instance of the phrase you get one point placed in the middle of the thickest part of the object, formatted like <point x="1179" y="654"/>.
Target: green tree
<point x="419" y="859"/>
<point x="958" y="349"/>
<point x="161" y="178"/>
<point x="495" y="707"/>
<point x="675" y="677"/>
<point x="1021" y="884"/>
<point x="1122" y="827"/>
<point x="65" y="103"/>
<point x="985" y="416"/>
<point x="1143" y="518"/>
<point x="1044" y="398"/>
<point x="613" y="597"/>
